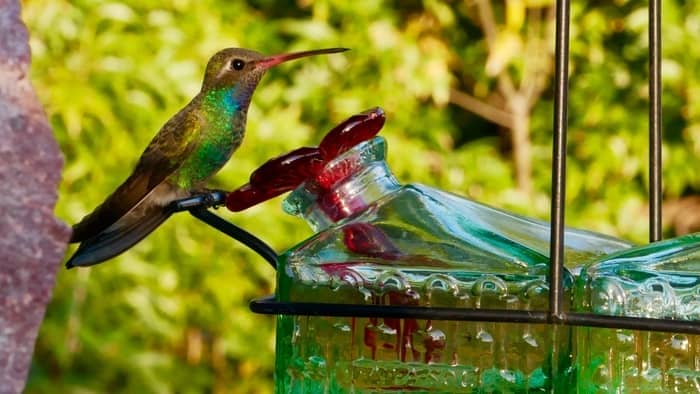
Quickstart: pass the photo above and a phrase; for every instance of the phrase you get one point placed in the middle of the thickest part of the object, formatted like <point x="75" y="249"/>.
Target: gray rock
<point x="32" y="240"/>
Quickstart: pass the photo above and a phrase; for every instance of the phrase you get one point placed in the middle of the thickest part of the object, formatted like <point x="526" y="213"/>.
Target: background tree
<point x="518" y="67"/>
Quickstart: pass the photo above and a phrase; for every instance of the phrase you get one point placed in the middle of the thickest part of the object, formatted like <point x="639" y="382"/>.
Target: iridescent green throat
<point x="223" y="125"/>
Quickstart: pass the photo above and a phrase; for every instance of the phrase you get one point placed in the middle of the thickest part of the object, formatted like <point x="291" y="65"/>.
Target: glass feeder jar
<point x="383" y="243"/>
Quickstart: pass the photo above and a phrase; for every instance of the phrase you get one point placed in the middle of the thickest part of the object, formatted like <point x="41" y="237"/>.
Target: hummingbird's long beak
<point x="274" y="60"/>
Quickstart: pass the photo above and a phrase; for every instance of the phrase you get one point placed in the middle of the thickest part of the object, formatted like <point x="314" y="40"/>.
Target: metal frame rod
<point x="270" y="306"/>
<point x="655" y="120"/>
<point x="198" y="206"/>
<point x="561" y="90"/>
<point x="233" y="231"/>
<point x="633" y="323"/>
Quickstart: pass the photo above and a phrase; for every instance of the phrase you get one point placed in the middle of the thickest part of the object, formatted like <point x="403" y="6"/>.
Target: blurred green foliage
<point x="171" y="315"/>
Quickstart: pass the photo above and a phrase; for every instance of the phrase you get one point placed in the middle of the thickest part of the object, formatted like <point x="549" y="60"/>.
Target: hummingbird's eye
<point x="237" y="64"/>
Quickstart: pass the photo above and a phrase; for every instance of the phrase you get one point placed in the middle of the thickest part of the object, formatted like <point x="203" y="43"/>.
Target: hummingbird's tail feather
<point x="128" y="195"/>
<point x="110" y="243"/>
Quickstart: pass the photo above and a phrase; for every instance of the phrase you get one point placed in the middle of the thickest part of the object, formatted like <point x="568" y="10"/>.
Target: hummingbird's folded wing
<point x="163" y="156"/>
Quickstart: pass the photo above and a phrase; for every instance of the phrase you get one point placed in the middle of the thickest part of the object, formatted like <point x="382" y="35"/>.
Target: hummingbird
<point x="191" y="147"/>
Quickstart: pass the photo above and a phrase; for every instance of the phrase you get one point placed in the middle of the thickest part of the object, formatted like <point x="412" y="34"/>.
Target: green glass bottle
<point x="659" y="280"/>
<point x="380" y="242"/>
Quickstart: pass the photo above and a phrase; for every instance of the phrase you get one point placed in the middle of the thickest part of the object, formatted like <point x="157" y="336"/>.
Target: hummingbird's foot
<point x="211" y="198"/>
<point x="201" y="198"/>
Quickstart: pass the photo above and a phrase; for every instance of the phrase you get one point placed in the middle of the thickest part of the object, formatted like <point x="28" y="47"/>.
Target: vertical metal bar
<point x="561" y="91"/>
<point x="654" y="120"/>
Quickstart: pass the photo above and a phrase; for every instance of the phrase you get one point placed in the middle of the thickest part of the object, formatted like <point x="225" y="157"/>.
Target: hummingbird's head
<point x="232" y="66"/>
<point x="241" y="69"/>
